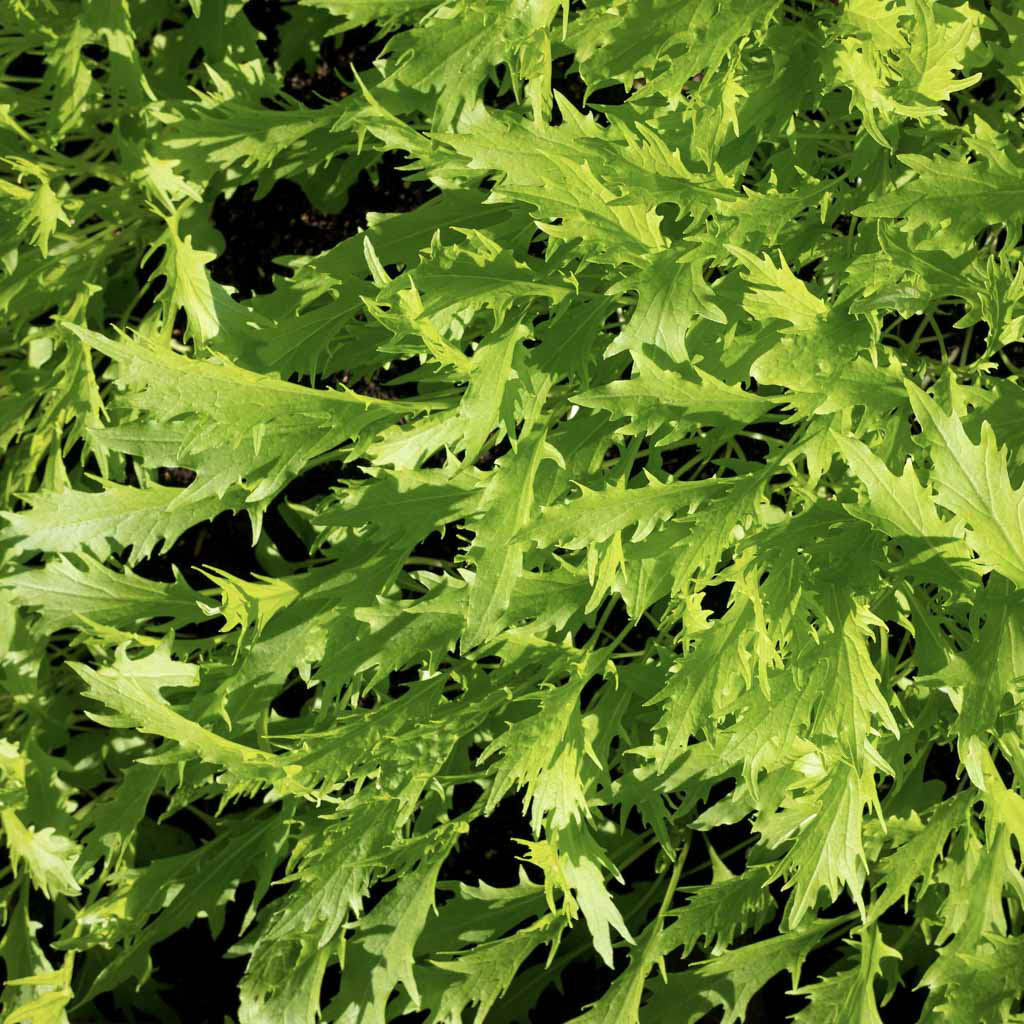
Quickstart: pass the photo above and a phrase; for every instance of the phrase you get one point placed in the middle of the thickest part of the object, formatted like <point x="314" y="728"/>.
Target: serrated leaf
<point x="972" y="481"/>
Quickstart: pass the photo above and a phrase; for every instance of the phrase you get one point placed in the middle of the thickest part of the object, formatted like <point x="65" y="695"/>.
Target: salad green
<point x="594" y="593"/>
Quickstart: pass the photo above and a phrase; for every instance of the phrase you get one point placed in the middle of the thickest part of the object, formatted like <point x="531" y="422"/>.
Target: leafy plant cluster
<point x="593" y="592"/>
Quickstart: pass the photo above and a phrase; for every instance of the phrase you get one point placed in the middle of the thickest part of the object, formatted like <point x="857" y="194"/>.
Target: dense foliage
<point x="577" y="574"/>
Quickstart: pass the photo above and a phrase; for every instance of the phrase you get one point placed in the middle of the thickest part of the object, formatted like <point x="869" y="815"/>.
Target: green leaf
<point x="901" y="506"/>
<point x="34" y="991"/>
<point x="958" y="197"/>
<point x="64" y="591"/>
<point x="988" y="985"/>
<point x="49" y="858"/>
<point x="544" y="752"/>
<point x="381" y="956"/>
<point x="484" y="973"/>
<point x="972" y="481"/>
<point x="131" y="690"/>
<point x="597" y="515"/>
<point x="654" y="396"/>
<point x="731" y="980"/>
<point x="572" y="862"/>
<point x="498" y="546"/>
<point x="848" y="995"/>
<point x="96" y="522"/>
<point x="671" y="294"/>
<point x="915" y="858"/>
<point x="827" y="852"/>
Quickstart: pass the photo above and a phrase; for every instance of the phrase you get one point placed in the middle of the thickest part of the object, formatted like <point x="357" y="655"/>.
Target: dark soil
<point x="267" y="16"/>
<point x="285" y="223"/>
<point x="327" y="81"/>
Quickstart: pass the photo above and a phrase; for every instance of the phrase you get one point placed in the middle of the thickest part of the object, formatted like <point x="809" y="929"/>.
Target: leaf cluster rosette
<point x="588" y="588"/>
